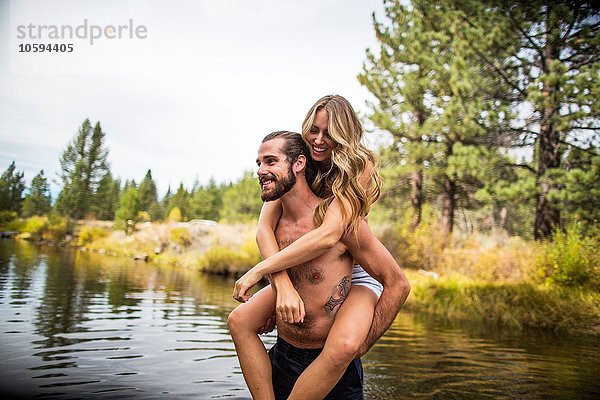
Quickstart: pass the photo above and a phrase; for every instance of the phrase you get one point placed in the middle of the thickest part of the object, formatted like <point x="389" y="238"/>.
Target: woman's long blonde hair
<point x="349" y="159"/>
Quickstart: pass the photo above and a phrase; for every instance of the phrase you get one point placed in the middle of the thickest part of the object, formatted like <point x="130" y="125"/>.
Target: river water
<point x="83" y="325"/>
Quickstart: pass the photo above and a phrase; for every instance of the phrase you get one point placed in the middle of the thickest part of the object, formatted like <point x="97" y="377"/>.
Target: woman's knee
<point x="237" y="320"/>
<point x="343" y="349"/>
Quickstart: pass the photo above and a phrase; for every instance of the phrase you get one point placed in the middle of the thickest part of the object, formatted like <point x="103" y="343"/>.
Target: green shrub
<point x="222" y="260"/>
<point x="570" y="259"/>
<point x="35" y="225"/>
<point x="143" y="216"/>
<point x="89" y="234"/>
<point x="174" y="215"/>
<point x="7" y="218"/>
<point x="180" y="235"/>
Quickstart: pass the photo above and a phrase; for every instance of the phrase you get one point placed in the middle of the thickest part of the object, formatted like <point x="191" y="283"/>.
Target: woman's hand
<point x="290" y="307"/>
<point x="268" y="326"/>
<point x="244" y="284"/>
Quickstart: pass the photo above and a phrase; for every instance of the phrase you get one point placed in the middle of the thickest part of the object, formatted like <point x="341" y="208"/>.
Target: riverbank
<point x="515" y="305"/>
<point x="493" y="280"/>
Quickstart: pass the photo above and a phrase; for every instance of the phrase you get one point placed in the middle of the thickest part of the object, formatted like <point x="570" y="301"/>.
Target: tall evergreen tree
<point x="429" y="98"/>
<point x="147" y="192"/>
<point x="553" y="68"/>
<point x="83" y="164"/>
<point x="241" y="200"/>
<point x="12" y="185"/>
<point x="128" y="208"/>
<point x="106" y="198"/>
<point x="38" y="200"/>
<point x="206" y="202"/>
<point x="181" y="200"/>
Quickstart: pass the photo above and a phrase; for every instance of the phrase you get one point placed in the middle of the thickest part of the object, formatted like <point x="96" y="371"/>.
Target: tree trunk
<point x="416" y="197"/>
<point x="448" y="205"/>
<point x="548" y="148"/>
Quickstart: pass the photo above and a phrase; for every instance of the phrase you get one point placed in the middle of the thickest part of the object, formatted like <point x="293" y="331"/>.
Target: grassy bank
<point x="224" y="249"/>
<point x="516" y="305"/>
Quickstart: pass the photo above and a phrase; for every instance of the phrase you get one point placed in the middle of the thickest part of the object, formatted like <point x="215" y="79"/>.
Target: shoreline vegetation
<point x="490" y="278"/>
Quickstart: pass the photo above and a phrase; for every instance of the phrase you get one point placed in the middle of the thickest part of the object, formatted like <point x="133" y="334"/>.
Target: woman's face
<point x="321" y="144"/>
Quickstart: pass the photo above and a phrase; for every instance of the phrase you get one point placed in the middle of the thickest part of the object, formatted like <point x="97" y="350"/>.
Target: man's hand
<point x="242" y="285"/>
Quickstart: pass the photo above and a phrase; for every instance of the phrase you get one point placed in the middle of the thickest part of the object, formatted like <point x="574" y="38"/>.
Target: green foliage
<point x="174" y="215"/>
<point x="58" y="226"/>
<point x="225" y="261"/>
<point x="570" y="259"/>
<point x="513" y="305"/>
<point x="181" y="236"/>
<point x="37" y="201"/>
<point x="12" y="185"/>
<point x="106" y="197"/>
<point x="206" y="202"/>
<point x="89" y="234"/>
<point x="147" y="192"/>
<point x="35" y="225"/>
<point x="83" y="163"/>
<point x="181" y="201"/>
<point x="128" y="209"/>
<point x="433" y="98"/>
<point x="554" y="77"/>
<point x="143" y="216"/>
<point x="241" y="201"/>
<point x="6" y="218"/>
<point x="156" y="211"/>
<point x="458" y="84"/>
<point x="578" y="184"/>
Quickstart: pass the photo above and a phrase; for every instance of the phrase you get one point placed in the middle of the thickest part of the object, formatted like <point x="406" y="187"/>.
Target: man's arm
<point x="368" y="251"/>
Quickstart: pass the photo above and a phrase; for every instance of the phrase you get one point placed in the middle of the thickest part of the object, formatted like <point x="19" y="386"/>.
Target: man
<point x="324" y="282"/>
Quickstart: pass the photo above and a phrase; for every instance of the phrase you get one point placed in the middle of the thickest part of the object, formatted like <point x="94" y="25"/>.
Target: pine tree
<point x="147" y="192"/>
<point x="128" y="208"/>
<point x="553" y="69"/>
<point x="206" y="201"/>
<point x="38" y="200"/>
<point x="241" y="201"/>
<point x="83" y="164"/>
<point x="12" y="185"/>
<point x="181" y="200"/>
<point x="430" y="98"/>
<point x="106" y="198"/>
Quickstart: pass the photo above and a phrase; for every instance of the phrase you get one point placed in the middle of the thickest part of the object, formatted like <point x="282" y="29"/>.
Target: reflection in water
<point x="81" y="325"/>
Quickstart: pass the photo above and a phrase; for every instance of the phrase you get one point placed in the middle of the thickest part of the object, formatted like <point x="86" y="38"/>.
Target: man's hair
<point x="295" y="146"/>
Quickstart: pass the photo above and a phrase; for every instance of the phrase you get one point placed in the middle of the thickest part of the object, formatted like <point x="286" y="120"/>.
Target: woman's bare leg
<point x="244" y="324"/>
<point x="347" y="334"/>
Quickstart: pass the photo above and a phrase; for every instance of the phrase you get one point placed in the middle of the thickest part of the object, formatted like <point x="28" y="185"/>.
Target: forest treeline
<point x="493" y="108"/>
<point x="89" y="190"/>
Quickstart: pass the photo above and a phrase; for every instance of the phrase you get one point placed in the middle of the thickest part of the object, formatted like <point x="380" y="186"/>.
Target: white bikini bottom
<point x="360" y="277"/>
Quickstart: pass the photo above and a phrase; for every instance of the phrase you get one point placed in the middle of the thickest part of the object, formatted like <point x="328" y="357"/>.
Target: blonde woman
<point x="348" y="183"/>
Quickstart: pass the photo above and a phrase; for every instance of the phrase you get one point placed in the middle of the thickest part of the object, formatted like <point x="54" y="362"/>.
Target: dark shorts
<point x="288" y="362"/>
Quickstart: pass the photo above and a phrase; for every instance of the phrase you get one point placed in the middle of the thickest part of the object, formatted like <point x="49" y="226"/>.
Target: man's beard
<point x="282" y="186"/>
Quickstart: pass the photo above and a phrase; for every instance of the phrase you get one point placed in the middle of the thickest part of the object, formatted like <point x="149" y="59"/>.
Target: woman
<point x="349" y="184"/>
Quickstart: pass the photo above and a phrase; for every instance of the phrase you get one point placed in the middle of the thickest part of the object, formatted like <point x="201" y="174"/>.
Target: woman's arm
<point x="307" y="247"/>
<point x="289" y="307"/>
<point x="267" y="222"/>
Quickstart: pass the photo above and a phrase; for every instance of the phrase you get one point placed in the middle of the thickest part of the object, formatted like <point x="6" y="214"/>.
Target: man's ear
<point x="300" y="164"/>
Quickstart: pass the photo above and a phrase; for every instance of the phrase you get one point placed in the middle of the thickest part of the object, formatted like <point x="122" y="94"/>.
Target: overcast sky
<point x="194" y="97"/>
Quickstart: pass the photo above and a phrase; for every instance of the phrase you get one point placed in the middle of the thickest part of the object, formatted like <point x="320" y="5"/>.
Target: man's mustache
<point x="268" y="177"/>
